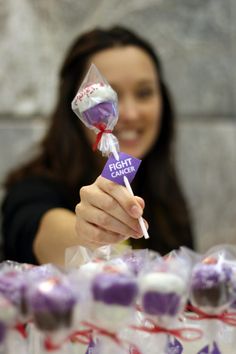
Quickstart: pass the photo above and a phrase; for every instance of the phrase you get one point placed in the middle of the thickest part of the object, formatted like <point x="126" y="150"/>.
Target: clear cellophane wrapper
<point x="96" y="105"/>
<point x="13" y="310"/>
<point x="211" y="292"/>
<point x="107" y="318"/>
<point x="160" y="307"/>
<point x="99" y="327"/>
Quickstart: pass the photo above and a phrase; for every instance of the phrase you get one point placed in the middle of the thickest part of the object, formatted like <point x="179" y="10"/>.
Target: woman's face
<point x="132" y="74"/>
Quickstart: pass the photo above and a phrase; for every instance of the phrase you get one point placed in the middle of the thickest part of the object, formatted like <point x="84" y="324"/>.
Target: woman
<point x="38" y="212"/>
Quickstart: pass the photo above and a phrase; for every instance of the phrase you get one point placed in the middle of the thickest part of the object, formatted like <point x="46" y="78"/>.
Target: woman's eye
<point x="145" y="93"/>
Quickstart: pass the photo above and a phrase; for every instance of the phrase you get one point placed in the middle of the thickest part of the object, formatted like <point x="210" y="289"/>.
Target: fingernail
<point x="136" y="211"/>
<point x="136" y="236"/>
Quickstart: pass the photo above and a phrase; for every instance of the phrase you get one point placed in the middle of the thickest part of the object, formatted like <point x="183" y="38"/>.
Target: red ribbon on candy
<point x="226" y="317"/>
<point x="176" y="332"/>
<point x="21" y="328"/>
<point x="82" y="337"/>
<point x="104" y="332"/>
<point x="112" y="335"/>
<point x="102" y="130"/>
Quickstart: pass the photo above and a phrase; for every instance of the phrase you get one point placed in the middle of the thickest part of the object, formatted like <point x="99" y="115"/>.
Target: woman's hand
<point x="107" y="213"/>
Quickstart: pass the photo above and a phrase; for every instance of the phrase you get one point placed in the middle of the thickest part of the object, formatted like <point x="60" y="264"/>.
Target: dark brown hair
<point x="66" y="156"/>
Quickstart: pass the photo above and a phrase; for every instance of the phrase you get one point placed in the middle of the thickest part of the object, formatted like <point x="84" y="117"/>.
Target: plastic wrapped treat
<point x="211" y="286"/>
<point x="53" y="299"/>
<point x="96" y="105"/>
<point x="114" y="295"/>
<point x="163" y="291"/>
<point x="13" y="285"/>
<point x="12" y="336"/>
<point x="162" y="295"/>
<point x="113" y="299"/>
<point x="51" y="302"/>
<point x="211" y="296"/>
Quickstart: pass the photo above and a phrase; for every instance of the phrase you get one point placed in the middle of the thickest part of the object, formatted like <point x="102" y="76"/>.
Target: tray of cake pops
<point x="120" y="301"/>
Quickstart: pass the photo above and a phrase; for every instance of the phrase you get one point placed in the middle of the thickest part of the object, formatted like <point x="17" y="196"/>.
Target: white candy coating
<point x="112" y="317"/>
<point x="162" y="282"/>
<point x="92" y="95"/>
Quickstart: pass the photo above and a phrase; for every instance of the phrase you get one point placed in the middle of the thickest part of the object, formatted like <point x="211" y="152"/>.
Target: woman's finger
<point x="93" y="195"/>
<point x="92" y="236"/>
<point x="127" y="201"/>
<point x="107" y="222"/>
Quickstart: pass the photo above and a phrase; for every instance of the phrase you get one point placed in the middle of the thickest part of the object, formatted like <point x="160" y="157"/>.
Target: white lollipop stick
<point x="128" y="186"/>
<point x="140" y="219"/>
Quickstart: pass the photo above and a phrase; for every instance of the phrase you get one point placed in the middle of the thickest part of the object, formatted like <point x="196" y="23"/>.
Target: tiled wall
<point x="196" y="40"/>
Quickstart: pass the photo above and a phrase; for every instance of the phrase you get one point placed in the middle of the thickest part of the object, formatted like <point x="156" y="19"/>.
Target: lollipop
<point x="96" y="105"/>
<point x="113" y="299"/>
<point x="160" y="300"/>
<point x="211" y="296"/>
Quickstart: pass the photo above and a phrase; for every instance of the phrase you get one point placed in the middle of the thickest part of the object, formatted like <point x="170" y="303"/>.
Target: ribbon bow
<point x="102" y="129"/>
<point x="113" y="336"/>
<point x="180" y="333"/>
<point x="82" y="336"/>
<point x="226" y="317"/>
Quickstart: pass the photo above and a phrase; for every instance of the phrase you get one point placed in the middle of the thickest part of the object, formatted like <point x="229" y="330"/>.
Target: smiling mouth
<point x="128" y="136"/>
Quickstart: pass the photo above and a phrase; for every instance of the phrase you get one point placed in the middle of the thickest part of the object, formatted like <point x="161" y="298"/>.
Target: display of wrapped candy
<point x="211" y="286"/>
<point x="96" y="105"/>
<point x="51" y="302"/>
<point x="134" y="297"/>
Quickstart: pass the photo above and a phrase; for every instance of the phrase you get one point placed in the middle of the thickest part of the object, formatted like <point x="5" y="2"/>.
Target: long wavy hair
<point x="65" y="155"/>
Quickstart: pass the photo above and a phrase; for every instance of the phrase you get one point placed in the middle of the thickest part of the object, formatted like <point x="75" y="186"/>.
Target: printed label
<point x="116" y="170"/>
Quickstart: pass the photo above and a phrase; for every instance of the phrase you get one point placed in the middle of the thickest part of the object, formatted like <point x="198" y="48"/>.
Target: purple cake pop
<point x="96" y="104"/>
<point x="13" y="286"/>
<point x="51" y="302"/>
<point x="211" y="286"/>
<point x="114" y="289"/>
<point x="161" y="293"/>
<point x="114" y="295"/>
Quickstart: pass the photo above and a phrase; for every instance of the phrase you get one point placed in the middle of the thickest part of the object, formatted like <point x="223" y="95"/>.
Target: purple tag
<point x="206" y="350"/>
<point x="215" y="349"/>
<point x="91" y="348"/>
<point x="116" y="170"/>
<point x="174" y="347"/>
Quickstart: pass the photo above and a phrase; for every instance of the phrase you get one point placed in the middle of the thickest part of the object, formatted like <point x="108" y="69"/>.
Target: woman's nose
<point x="128" y="109"/>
